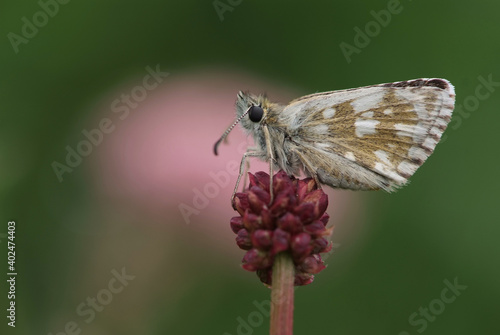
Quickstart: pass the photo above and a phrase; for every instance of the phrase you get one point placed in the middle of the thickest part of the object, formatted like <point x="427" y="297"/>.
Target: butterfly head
<point x="251" y="111"/>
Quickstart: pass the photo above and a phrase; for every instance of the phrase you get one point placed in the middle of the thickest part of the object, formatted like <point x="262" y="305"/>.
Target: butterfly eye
<point x="255" y="113"/>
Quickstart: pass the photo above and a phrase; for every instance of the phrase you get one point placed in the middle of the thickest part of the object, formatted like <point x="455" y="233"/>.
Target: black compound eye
<point x="255" y="113"/>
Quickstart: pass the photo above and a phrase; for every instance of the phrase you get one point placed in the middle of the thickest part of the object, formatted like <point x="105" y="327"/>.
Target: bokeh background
<point x="132" y="205"/>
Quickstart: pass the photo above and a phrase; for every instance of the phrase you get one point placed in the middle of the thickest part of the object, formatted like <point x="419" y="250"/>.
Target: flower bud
<point x="294" y="221"/>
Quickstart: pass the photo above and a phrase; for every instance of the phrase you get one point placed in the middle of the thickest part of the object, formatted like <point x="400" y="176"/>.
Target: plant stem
<point x="282" y="295"/>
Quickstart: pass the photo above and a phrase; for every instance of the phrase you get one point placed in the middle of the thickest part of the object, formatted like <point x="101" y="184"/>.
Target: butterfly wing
<point x="370" y="137"/>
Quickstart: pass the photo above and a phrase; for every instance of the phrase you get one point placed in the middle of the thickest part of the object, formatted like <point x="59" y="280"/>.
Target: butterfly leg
<point x="310" y="170"/>
<point x="270" y="158"/>
<point x="244" y="162"/>
<point x="247" y="166"/>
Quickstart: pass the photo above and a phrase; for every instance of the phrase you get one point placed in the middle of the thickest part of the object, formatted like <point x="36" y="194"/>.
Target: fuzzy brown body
<point x="362" y="139"/>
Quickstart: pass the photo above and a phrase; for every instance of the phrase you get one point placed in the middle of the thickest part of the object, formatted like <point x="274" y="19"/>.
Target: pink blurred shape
<point x="159" y="161"/>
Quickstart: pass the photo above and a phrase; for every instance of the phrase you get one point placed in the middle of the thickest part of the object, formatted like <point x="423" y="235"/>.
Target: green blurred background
<point x="393" y="253"/>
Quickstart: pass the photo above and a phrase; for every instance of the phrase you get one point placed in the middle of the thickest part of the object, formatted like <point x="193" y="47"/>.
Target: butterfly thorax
<point x="284" y="140"/>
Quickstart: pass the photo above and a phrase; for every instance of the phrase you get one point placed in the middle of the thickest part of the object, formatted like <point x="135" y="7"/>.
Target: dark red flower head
<point x="294" y="222"/>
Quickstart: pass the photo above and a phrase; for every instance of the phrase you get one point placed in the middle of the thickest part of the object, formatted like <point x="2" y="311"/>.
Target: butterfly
<point x="367" y="138"/>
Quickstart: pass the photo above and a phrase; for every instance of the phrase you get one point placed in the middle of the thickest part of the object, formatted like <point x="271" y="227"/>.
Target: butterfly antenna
<point x="228" y="130"/>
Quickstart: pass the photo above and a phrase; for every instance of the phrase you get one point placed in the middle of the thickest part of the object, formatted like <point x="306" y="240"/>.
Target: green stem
<point x="282" y="295"/>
